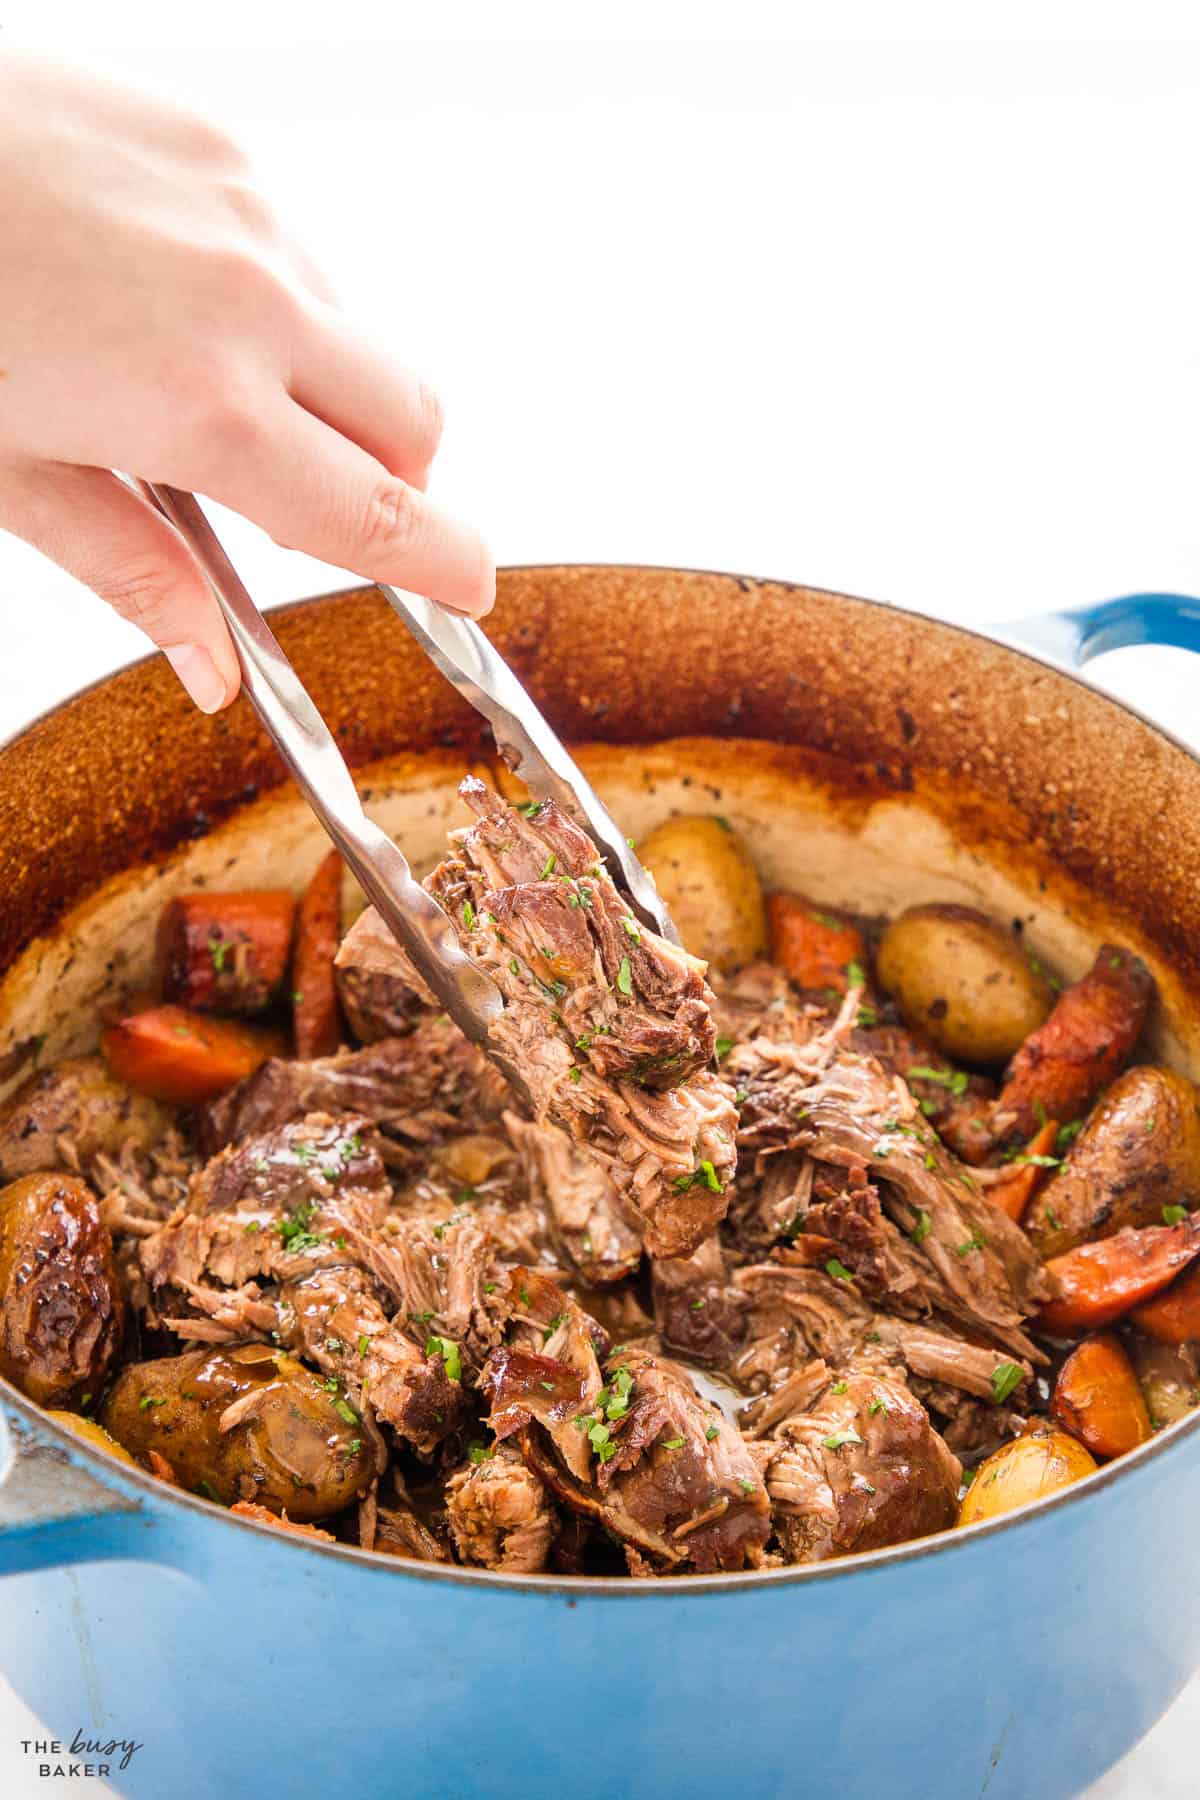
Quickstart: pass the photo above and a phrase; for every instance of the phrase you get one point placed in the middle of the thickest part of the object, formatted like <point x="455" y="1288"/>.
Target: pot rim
<point x="117" y="1478"/>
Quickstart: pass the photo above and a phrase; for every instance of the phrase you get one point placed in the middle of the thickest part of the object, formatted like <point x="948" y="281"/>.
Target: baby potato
<point x="248" y="1423"/>
<point x="92" y="1434"/>
<point x="710" y="887"/>
<point x="1038" y="1463"/>
<point x="77" y="1099"/>
<point x="962" y="980"/>
<point x="1138" y="1152"/>
<point x="62" y="1309"/>
<point x="1166" y="1376"/>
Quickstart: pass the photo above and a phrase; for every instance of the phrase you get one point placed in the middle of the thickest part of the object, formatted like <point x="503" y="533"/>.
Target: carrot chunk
<point x="1087" y="1039"/>
<point x="225" y="953"/>
<point x="1013" y="1194"/>
<point x="1174" y="1316"/>
<point x="1098" y="1398"/>
<point x="315" y="1017"/>
<point x="813" y="948"/>
<point x="1099" y="1282"/>
<point x="182" y="1057"/>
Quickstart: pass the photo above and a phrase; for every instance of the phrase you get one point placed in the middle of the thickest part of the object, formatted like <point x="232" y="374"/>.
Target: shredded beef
<point x="416" y="1090"/>
<point x="862" y="1469"/>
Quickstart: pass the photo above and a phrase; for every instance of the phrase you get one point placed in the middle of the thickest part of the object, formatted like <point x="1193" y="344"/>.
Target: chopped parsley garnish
<point x="548" y="871"/>
<point x="1037" y="1162"/>
<point x="839" y="1438"/>
<point x="675" y="1443"/>
<point x="531" y="809"/>
<point x="697" y="1305"/>
<point x="712" y="1432"/>
<point x="631" y="930"/>
<point x="1067" y="1134"/>
<point x="253" y="1226"/>
<point x="723" y="1046"/>
<point x="219" y="949"/>
<point x="722" y="821"/>
<point x="747" y="1487"/>
<point x="334" y="1346"/>
<point x="552" y="1327"/>
<point x="421" y="1318"/>
<point x="1174" y="1215"/>
<point x="364" y="1344"/>
<point x="954" y="1079"/>
<point x="575" y="1074"/>
<point x="930" y="1160"/>
<point x="345" y="1411"/>
<point x="625" y="976"/>
<point x="1005" y="1377"/>
<point x="514" y="967"/>
<point x="1052" y="1219"/>
<point x="878" y="1406"/>
<point x="838" y="1270"/>
<point x="148" y="1400"/>
<point x="867" y="1016"/>
<point x="839" y="1387"/>
<point x="468" y="915"/>
<point x="705" y="1175"/>
<point x="920" y="1230"/>
<point x="354" y="1446"/>
<point x="293" y="1228"/>
<point x="447" y="1349"/>
<point x="478" y="1452"/>
<point x="974" y="1242"/>
<point x="599" y="1437"/>
<point x="854" y="975"/>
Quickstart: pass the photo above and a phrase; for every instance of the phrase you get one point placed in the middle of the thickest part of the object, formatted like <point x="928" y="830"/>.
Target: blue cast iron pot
<point x="1016" y="1660"/>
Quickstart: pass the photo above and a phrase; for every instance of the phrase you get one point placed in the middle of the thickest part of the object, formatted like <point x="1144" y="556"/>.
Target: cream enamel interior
<point x="875" y="856"/>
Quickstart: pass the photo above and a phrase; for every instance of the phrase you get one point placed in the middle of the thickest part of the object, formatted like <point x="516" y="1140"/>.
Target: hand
<point x="154" y="319"/>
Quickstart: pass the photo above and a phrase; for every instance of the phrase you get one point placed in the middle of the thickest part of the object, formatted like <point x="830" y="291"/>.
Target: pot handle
<point x="1078" y="633"/>
<point x="54" y="1510"/>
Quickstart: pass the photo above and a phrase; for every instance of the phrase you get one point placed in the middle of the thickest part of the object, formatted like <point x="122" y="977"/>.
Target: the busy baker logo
<point x="80" y="1758"/>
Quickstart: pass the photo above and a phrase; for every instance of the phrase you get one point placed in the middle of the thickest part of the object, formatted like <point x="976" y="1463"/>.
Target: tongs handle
<point x="460" y="650"/>
<point x="310" y="752"/>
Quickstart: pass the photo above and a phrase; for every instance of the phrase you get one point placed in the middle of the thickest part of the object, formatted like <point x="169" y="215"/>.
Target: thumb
<point x="108" y="537"/>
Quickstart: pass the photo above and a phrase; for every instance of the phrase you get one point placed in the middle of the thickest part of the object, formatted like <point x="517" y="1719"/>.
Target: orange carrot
<point x="182" y="1057"/>
<point x="814" y="949"/>
<point x="316" y="1021"/>
<point x="1098" y="1398"/>
<point x="1013" y="1194"/>
<point x="1099" y="1282"/>
<point x="225" y="952"/>
<point x="1086" y="1040"/>
<point x="1174" y="1317"/>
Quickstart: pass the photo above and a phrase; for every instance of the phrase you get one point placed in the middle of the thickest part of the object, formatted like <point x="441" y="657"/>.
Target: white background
<point x="903" y="303"/>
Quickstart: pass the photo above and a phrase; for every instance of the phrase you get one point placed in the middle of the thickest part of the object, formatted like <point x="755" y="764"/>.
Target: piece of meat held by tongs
<point x="461" y="982"/>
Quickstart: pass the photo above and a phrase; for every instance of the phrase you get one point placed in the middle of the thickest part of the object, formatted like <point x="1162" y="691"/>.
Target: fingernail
<point x="198" y="673"/>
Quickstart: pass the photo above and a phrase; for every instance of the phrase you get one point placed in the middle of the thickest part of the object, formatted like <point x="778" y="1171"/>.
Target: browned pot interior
<point x="872" y="758"/>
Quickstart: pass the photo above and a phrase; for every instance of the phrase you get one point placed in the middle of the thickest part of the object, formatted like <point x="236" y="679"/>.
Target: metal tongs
<point x="459" y="649"/>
